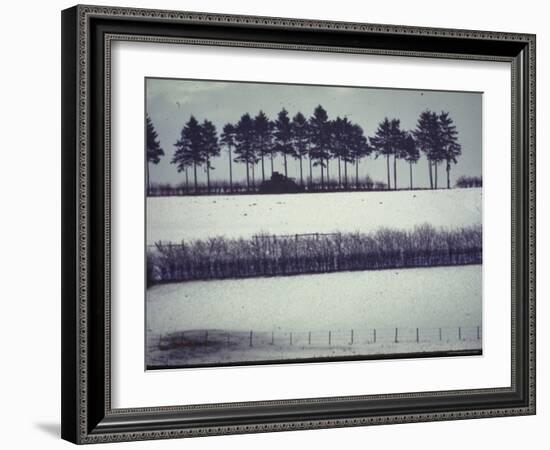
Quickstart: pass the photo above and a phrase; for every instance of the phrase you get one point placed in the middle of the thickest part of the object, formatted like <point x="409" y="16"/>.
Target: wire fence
<point x="321" y="339"/>
<point x="159" y="246"/>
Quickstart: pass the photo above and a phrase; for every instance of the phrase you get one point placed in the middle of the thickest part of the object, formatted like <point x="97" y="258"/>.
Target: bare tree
<point x="244" y="148"/>
<point x="386" y="142"/>
<point x="154" y="152"/>
<point x="358" y="149"/>
<point x="451" y="149"/>
<point x="283" y="137"/>
<point x="227" y="138"/>
<point x="262" y="138"/>
<point x="426" y="137"/>
<point x="411" y="153"/>
<point x="300" y="140"/>
<point x="319" y="126"/>
<point x="189" y="148"/>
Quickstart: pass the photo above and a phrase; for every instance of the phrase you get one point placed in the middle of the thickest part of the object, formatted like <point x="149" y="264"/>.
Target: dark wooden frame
<point x="87" y="32"/>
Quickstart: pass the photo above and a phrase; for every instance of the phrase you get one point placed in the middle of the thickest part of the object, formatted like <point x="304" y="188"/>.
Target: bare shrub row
<point x="272" y="255"/>
<point x="469" y="182"/>
<point x="218" y="187"/>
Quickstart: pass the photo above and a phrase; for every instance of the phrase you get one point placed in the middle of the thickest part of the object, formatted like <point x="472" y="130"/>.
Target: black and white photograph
<point x="306" y="223"/>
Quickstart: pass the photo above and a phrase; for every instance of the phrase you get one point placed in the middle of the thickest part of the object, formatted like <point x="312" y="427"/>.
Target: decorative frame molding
<point x="87" y="34"/>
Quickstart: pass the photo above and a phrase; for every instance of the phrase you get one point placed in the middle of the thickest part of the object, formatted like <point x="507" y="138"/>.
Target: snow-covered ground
<point x="176" y="218"/>
<point x="428" y="299"/>
<point x="240" y="353"/>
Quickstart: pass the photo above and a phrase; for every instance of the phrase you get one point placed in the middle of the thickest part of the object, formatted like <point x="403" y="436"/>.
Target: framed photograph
<point x="280" y="224"/>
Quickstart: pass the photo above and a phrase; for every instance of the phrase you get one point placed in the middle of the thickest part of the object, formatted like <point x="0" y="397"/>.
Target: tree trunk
<point x="395" y="172"/>
<point x="148" y="182"/>
<point x="263" y="170"/>
<point x="328" y="176"/>
<point x="286" y="170"/>
<point x="435" y="174"/>
<point x="448" y="175"/>
<point x="186" y="180"/>
<point x="271" y="164"/>
<point x="247" y="177"/>
<point x="195" y="174"/>
<point x="208" y="174"/>
<point x="301" y="172"/>
<point x="339" y="173"/>
<point x="357" y="173"/>
<point x="310" y="171"/>
<point x="253" y="176"/>
<point x="411" y="173"/>
<point x="431" y="176"/>
<point x="322" y="174"/>
<point x="388" y="168"/>
<point x="345" y="174"/>
<point x="230" y="172"/>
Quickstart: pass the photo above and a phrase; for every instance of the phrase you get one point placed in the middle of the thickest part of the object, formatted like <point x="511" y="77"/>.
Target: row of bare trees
<point x="269" y="255"/>
<point x="317" y="141"/>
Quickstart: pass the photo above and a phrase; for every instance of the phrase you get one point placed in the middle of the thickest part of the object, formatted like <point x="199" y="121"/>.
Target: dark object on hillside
<point x="279" y="184"/>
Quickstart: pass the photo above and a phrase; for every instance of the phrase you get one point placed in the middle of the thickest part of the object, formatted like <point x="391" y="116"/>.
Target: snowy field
<point x="240" y="352"/>
<point x="176" y="218"/>
<point x="273" y="308"/>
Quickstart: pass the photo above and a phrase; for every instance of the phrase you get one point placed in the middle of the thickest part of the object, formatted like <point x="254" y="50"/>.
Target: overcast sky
<point x="170" y="103"/>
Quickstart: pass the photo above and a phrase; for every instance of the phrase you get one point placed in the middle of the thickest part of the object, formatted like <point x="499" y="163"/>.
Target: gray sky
<point x="171" y="102"/>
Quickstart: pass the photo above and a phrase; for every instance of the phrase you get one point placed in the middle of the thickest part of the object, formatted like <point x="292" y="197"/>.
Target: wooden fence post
<point x="251" y="339"/>
<point x="478" y="334"/>
<point x="309" y="338"/>
<point x="396" y="335"/>
<point x="272" y="337"/>
<point x="351" y="337"/>
<point x="374" y="335"/>
<point x="417" y="336"/>
<point x="291" y="338"/>
<point x="440" y="335"/>
<point x="329" y="337"/>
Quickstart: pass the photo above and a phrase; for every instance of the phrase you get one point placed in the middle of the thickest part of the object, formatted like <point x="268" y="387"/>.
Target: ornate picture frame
<point x="88" y="33"/>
